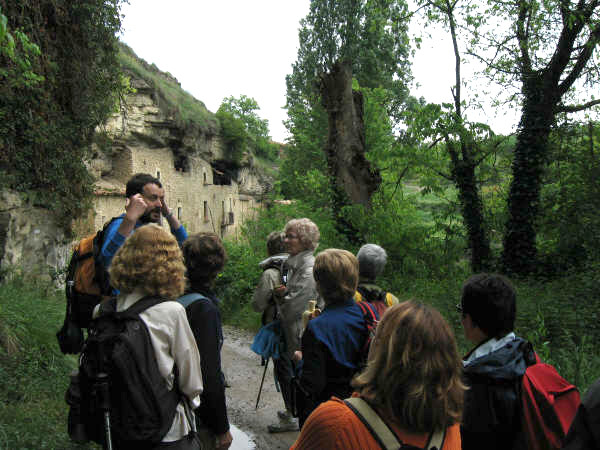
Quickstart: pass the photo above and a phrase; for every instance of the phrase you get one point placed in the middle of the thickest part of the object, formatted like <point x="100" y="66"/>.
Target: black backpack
<point x="119" y="380"/>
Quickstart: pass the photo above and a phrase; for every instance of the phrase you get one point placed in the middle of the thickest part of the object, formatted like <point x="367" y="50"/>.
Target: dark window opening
<point x="182" y="162"/>
<point x="223" y="172"/>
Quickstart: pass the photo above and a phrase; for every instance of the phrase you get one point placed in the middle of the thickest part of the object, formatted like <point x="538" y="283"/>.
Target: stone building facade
<point x="202" y="188"/>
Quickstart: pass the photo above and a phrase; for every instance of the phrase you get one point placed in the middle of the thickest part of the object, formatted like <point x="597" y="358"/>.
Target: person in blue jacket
<point x="145" y="204"/>
<point x="332" y="343"/>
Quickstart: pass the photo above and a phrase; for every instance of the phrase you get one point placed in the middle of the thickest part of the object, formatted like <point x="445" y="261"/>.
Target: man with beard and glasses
<point x="145" y="204"/>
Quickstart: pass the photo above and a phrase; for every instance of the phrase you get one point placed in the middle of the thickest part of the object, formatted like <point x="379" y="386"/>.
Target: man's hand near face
<point x="135" y="207"/>
<point x="168" y="214"/>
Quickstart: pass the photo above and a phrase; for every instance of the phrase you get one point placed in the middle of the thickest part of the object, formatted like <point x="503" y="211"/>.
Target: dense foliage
<point x="243" y="130"/>
<point x="59" y="80"/>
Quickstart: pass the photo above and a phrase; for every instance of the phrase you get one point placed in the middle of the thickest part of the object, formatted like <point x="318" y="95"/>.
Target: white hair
<point x="307" y="230"/>
<point x="371" y="260"/>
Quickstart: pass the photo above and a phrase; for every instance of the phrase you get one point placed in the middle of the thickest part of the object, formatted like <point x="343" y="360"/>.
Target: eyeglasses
<point x="459" y="308"/>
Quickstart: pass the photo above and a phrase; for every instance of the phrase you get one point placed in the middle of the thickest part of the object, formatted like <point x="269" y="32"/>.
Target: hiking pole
<point x="261" y="383"/>
<point x="102" y="380"/>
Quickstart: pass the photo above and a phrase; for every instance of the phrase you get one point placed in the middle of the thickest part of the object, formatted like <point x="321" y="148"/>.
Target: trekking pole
<point x="261" y="383"/>
<point x="102" y="380"/>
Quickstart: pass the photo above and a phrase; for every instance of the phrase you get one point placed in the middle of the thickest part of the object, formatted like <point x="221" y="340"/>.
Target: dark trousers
<point x="284" y="372"/>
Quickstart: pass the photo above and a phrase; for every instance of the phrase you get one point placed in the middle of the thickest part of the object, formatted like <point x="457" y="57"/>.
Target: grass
<point x="34" y="374"/>
<point x="560" y="317"/>
<point x="188" y="111"/>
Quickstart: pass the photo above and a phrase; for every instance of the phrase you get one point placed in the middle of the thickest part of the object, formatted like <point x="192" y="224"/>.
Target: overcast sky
<point x="233" y="47"/>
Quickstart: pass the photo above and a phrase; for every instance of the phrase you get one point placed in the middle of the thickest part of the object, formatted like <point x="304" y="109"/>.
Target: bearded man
<point x="145" y="204"/>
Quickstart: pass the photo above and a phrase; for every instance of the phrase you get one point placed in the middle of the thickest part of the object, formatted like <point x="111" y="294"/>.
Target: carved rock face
<point x="29" y="238"/>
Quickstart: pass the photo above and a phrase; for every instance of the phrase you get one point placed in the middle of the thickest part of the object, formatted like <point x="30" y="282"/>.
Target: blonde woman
<point x="333" y="343"/>
<point x="412" y="382"/>
<point x="150" y="264"/>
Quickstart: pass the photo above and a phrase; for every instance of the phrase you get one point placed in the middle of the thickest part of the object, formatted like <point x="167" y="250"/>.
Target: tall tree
<point x="546" y="49"/>
<point x="372" y="37"/>
<point x="351" y="172"/>
<point x="467" y="144"/>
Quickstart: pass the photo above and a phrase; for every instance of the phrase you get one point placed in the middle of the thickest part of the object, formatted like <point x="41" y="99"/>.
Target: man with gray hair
<point x="371" y="262"/>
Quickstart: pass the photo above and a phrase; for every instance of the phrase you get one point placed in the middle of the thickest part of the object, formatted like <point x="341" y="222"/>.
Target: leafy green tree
<point x="59" y="80"/>
<point x="234" y="134"/>
<point x="464" y="142"/>
<point x="542" y="53"/>
<point x="372" y="36"/>
<point x="257" y="129"/>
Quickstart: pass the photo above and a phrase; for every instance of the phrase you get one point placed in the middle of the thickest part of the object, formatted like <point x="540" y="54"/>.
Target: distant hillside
<point x="187" y="111"/>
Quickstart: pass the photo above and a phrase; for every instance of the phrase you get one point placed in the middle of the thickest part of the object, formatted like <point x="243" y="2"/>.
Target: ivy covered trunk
<point x="463" y="173"/>
<point x="520" y="252"/>
<point x="352" y="175"/>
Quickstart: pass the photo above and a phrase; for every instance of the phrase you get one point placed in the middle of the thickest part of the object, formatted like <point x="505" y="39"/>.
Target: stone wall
<point x="30" y="239"/>
<point x="141" y="138"/>
<point x="144" y="139"/>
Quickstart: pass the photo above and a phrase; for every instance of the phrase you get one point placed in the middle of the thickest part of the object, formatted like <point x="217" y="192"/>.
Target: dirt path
<point x="244" y="373"/>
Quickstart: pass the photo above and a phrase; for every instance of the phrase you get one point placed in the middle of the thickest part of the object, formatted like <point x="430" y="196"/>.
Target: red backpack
<point x="549" y="405"/>
<point x="371" y="320"/>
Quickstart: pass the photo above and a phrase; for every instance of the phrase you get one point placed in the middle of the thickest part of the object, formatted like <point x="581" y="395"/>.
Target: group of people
<point x="344" y="383"/>
<point x="144" y="260"/>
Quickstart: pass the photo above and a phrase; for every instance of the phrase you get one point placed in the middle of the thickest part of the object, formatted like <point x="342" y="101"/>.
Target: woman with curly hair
<point x="150" y="264"/>
<point x="412" y="383"/>
<point x="301" y="240"/>
<point x="204" y="257"/>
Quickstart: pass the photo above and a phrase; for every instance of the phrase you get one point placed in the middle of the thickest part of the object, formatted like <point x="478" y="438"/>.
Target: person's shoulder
<point x="168" y="307"/>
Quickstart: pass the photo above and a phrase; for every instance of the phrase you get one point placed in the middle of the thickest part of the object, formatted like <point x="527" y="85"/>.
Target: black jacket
<point x="492" y="412"/>
<point x="205" y="321"/>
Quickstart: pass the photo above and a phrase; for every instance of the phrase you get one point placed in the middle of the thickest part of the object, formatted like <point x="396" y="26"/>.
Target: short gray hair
<point x="307" y="231"/>
<point x="371" y="260"/>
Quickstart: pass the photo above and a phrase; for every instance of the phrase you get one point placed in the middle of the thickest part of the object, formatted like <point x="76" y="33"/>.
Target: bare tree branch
<point x="575" y="108"/>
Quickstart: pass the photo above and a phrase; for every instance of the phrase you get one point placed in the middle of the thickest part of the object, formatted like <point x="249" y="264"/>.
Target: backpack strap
<point x="382" y="433"/>
<point x="188" y="299"/>
<point x="368" y="312"/>
<point x="143" y="304"/>
<point x="384" y="436"/>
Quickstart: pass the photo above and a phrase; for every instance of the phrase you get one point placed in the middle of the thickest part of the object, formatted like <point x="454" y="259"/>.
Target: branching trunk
<point x="354" y="179"/>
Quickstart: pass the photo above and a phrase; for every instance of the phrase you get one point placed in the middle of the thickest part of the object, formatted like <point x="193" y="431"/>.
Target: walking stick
<point x="102" y="380"/>
<point x="261" y="383"/>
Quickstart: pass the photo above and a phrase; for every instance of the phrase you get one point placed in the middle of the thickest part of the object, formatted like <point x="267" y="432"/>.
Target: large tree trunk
<point x="352" y="175"/>
<point x="520" y="252"/>
<point x="463" y="173"/>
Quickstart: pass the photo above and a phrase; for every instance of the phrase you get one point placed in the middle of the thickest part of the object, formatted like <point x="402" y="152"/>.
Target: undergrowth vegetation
<point x="34" y="374"/>
<point x="560" y="315"/>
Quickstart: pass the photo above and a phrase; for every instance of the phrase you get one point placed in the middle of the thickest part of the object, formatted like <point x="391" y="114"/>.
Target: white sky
<point x="232" y="47"/>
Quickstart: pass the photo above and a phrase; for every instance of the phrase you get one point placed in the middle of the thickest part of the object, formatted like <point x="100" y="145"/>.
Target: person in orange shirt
<point x="412" y="382"/>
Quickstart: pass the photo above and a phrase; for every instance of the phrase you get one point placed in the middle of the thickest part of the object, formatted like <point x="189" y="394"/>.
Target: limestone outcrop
<point x="30" y="240"/>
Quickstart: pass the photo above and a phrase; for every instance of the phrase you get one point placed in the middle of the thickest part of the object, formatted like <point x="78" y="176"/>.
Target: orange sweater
<point x="333" y="426"/>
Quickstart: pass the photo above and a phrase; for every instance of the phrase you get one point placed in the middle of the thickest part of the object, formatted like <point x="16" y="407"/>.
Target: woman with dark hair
<point x="412" y="383"/>
<point x="205" y="257"/>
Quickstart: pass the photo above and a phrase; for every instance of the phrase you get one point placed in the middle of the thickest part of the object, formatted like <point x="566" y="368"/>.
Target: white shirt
<point x="489" y="346"/>
<point x="174" y="344"/>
